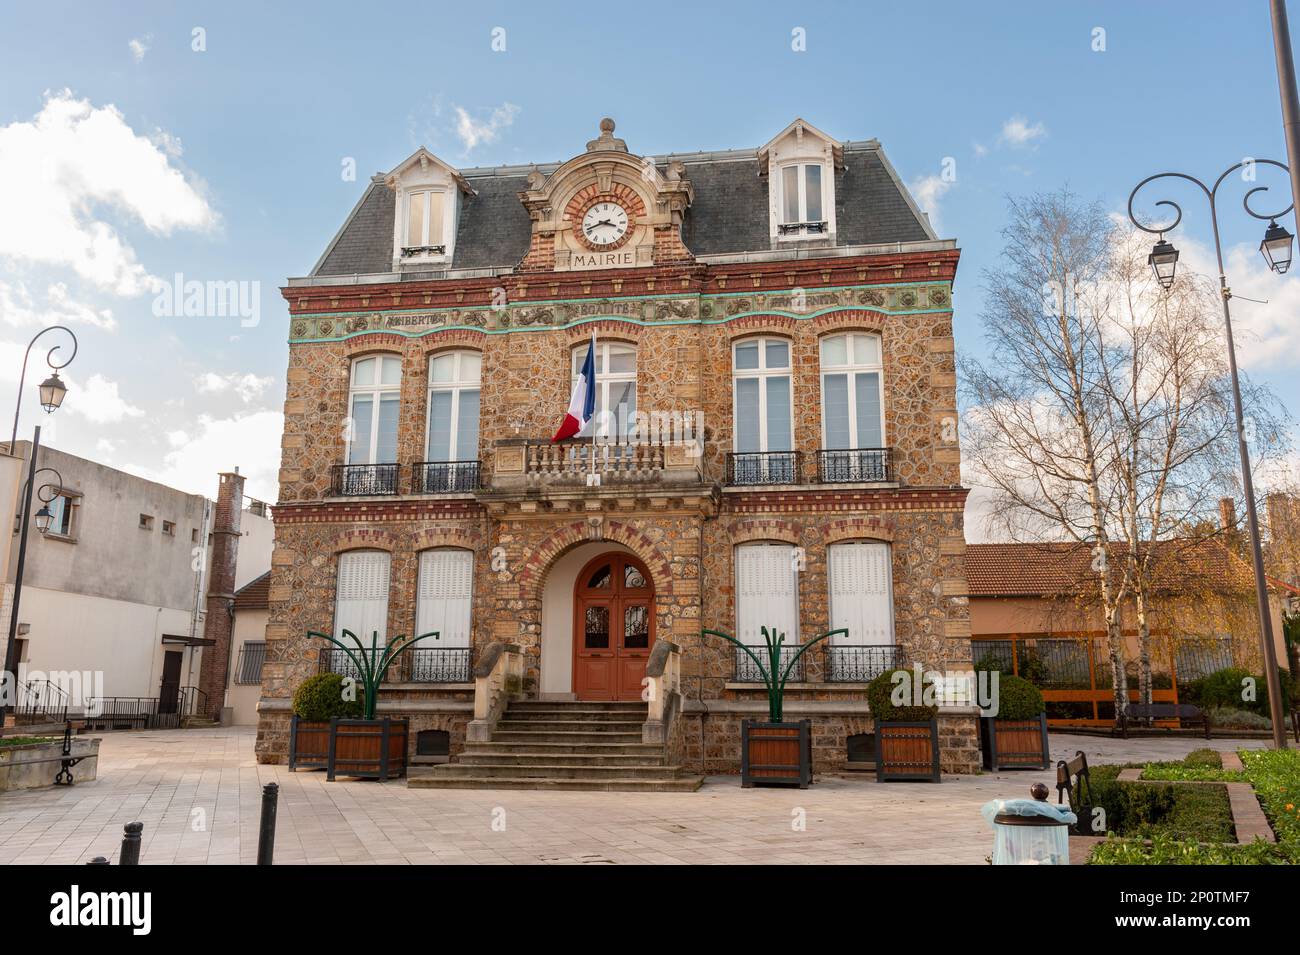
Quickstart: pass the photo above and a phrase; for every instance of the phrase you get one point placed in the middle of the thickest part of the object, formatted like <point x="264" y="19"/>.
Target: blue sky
<point x="249" y="137"/>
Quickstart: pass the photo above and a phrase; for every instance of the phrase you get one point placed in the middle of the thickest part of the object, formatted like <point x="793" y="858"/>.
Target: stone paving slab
<point x="198" y="793"/>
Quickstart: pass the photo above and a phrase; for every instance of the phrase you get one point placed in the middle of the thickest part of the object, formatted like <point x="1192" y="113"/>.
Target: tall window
<point x="801" y="199"/>
<point x="361" y="602"/>
<point x="373" y="405"/>
<point x="424" y="223"/>
<point x="860" y="584"/>
<point x="764" y="438"/>
<point x="63" y="511"/>
<point x="451" y="444"/>
<point x="443" y="596"/>
<point x="615" y="389"/>
<point x="767" y="595"/>
<point x="853" y="423"/>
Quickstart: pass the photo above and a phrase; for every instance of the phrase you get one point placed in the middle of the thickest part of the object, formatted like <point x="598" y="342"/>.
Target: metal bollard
<point x="266" y="832"/>
<point x="131" y="844"/>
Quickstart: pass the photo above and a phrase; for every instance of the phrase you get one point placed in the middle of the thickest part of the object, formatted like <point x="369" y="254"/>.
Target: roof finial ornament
<point x="606" y="139"/>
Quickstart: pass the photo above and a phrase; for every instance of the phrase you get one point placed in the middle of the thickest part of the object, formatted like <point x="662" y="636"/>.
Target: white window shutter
<point x="767" y="593"/>
<point x="362" y="595"/>
<point x="861" y="592"/>
<point x="443" y="599"/>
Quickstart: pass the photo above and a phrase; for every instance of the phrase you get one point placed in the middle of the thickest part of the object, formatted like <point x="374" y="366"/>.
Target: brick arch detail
<point x="782" y="325"/>
<point x="852" y="319"/>
<point x="369" y="539"/>
<point x="445" y="537"/>
<point x="452" y="338"/>
<point x="374" y="342"/>
<point x="628" y="332"/>
<point x="858" y="528"/>
<point x="746" y="532"/>
<point x="571" y="535"/>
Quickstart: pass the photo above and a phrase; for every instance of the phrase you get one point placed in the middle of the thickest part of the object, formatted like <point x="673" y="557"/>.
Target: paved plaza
<point x="198" y="793"/>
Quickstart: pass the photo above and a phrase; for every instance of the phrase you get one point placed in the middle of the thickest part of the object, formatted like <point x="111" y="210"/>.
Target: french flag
<point x="582" y="403"/>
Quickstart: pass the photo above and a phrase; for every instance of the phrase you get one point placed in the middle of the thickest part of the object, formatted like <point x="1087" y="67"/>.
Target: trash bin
<point x="1029" y="831"/>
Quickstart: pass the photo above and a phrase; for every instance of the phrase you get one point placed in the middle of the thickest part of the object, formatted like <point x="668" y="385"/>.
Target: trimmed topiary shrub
<point x="1018" y="699"/>
<point x="320" y="698"/>
<point x="880" y="693"/>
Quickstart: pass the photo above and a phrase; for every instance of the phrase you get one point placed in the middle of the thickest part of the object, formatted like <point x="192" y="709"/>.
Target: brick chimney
<point x="1227" y="515"/>
<point x="221" y="591"/>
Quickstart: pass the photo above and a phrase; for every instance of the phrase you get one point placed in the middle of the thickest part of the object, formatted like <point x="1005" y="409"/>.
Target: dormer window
<point x="800" y="166"/>
<point x="801" y="200"/>
<point x="428" y="193"/>
<point x="424" y="224"/>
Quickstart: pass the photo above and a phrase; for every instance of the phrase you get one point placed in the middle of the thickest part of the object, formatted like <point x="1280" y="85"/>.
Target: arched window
<point x="767" y="595"/>
<point x="373" y="403"/>
<point x="763" y="413"/>
<point x="443" y="603"/>
<point x="360" y="603"/>
<point x="853" y="421"/>
<point x="451" y="439"/>
<point x="615" y="389"/>
<point x="860" y="585"/>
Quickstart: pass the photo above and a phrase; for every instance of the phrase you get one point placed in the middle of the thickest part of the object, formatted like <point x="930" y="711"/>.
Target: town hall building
<point x="773" y="444"/>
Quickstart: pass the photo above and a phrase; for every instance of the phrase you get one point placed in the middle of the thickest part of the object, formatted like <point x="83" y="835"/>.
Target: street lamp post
<point x="1276" y="248"/>
<point x="52" y="392"/>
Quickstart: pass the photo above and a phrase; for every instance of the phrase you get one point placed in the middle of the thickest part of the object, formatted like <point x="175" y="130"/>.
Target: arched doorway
<point x="613" y="627"/>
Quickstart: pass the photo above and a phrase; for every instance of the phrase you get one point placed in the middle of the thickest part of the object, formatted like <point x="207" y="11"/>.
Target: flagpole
<point x="594" y="424"/>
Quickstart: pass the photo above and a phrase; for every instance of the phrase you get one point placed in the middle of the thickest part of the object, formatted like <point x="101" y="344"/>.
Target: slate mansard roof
<point x="729" y="213"/>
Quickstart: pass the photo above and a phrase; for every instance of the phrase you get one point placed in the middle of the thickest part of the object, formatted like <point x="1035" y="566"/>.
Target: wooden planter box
<point x="309" y="744"/>
<point x="373" y="749"/>
<point x="1015" y="744"/>
<point x="776" y="753"/>
<point x="907" y="751"/>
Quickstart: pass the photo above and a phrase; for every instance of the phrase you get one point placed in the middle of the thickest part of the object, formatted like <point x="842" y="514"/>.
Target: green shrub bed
<point x="1202" y="766"/>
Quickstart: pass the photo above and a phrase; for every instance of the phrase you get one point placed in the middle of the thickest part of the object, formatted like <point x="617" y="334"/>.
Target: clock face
<point x="605" y="223"/>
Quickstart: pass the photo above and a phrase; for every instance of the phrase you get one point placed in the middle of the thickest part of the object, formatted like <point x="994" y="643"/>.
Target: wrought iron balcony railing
<point x="854" y="465"/>
<point x="863" y="663"/>
<point x="441" y="665"/>
<point x="444" y="477"/>
<point x="805" y="228"/>
<point x="363" y="480"/>
<point x="747" y="672"/>
<point x="764" y="467"/>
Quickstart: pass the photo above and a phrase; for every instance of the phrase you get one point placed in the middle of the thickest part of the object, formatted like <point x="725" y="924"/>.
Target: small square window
<point x="63" y="516"/>
<point x="169" y="528"/>
<point x="146" y="522"/>
<point x="194" y="535"/>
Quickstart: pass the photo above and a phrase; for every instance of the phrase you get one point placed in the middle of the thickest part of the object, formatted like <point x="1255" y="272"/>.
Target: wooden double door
<point x="613" y="628"/>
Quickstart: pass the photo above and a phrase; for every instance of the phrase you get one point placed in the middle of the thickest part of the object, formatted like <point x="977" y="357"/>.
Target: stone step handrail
<point x="498" y="676"/>
<point x="663" y="691"/>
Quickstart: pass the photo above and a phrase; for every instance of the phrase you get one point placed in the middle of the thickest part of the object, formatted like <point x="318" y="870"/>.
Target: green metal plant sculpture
<point x="774" y="677"/>
<point x="372" y="664"/>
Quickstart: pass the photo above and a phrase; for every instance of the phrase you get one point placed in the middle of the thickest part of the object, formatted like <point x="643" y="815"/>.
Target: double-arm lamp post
<point x="52" y="391"/>
<point x="1276" y="249"/>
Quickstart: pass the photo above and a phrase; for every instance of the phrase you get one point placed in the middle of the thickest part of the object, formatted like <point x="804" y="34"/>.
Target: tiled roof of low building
<point x="255" y="594"/>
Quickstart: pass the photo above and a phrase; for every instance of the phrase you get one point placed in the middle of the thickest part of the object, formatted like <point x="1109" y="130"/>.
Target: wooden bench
<point x="1074" y="789"/>
<point x="1149" y="712"/>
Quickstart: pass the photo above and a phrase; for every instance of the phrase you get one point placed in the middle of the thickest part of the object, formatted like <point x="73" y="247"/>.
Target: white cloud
<point x="98" y="401"/>
<point x="474" y="132"/>
<point x="1018" y="132"/>
<point x="105" y="446"/>
<point x="139" y="46"/>
<point x="19" y="309"/>
<point x="247" y="387"/>
<point x="928" y="190"/>
<point x="980" y="150"/>
<point x="250" y="442"/>
<point x="63" y="172"/>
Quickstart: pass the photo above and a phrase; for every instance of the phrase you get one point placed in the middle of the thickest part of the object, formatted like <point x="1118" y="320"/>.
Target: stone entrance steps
<point x="563" y="746"/>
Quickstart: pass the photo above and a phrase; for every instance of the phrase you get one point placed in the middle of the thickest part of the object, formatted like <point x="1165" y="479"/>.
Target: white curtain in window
<point x="767" y="593"/>
<point x="362" y="595"/>
<point x="443" y="600"/>
<point x="861" y="593"/>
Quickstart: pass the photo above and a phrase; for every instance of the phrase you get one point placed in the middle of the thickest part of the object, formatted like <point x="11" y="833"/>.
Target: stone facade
<point x="678" y="515"/>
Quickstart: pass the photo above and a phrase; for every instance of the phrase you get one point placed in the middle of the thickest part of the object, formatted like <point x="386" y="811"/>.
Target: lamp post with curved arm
<point x="1276" y="248"/>
<point x="52" y="391"/>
